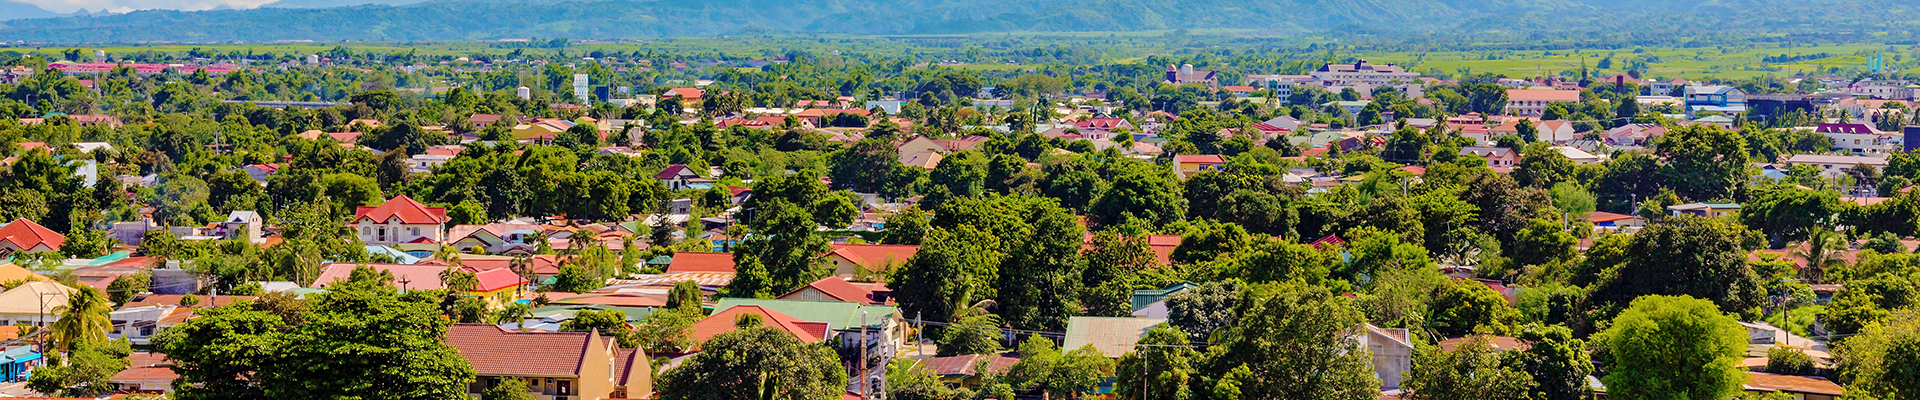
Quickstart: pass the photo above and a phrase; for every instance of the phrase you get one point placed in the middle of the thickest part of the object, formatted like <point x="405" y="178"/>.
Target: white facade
<point x="393" y="232"/>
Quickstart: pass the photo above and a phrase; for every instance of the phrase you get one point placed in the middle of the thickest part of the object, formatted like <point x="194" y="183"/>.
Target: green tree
<point x="1042" y="271"/>
<point x="1884" y="360"/>
<point x="1298" y="338"/>
<point x="974" y="332"/>
<point x="1558" y="363"/>
<point x="574" y="278"/>
<point x="607" y="322"/>
<point x="953" y="269"/>
<point x="1140" y="191"/>
<point x="1464" y="306"/>
<point x="1787" y="213"/>
<point x="83" y="320"/>
<point x="1113" y="265"/>
<point x="908" y="226"/>
<point x="1703" y="161"/>
<point x="1543" y="242"/>
<point x="1203" y="310"/>
<point x="757" y="363"/>
<point x="86" y="371"/>
<point x="1685" y="255"/>
<point x="685" y="296"/>
<point x="1789" y="361"/>
<point x="1043" y="367"/>
<point x="1473" y="370"/>
<point x="507" y="389"/>
<point x="1674" y="347"/>
<point x="1164" y="367"/>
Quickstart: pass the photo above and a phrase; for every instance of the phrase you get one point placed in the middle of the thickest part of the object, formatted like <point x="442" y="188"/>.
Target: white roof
<point x="1827" y="159"/>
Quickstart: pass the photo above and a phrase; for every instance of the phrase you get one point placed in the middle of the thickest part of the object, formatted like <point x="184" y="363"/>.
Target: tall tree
<point x="1683" y="255"/>
<point x="83" y="320"/>
<point x="1674" y="347"/>
<point x="953" y="269"/>
<point x="1473" y="370"/>
<point x="1558" y="363"/>
<point x="1884" y="360"/>
<point x="1297" y="338"/>
<point x="1164" y="367"/>
<point x="757" y="363"/>
<point x="1703" y="161"/>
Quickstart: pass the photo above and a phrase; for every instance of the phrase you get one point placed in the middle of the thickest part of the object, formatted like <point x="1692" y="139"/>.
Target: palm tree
<point x="459" y="281"/>
<point x="523" y="267"/>
<point x="83" y="320"/>
<point x="1821" y="250"/>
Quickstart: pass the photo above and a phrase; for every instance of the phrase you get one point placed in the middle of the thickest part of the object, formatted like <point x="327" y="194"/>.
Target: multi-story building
<point x="1860" y="138"/>
<point x="1725" y="99"/>
<point x="1186" y="75"/>
<point x="1361" y="72"/>
<point x="1533" y="102"/>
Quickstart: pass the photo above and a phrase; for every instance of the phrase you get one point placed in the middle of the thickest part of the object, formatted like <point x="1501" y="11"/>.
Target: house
<point x="1112" y="336"/>
<point x="1796" y="387"/>
<point x="852" y="260"/>
<point x="482" y="120"/>
<point x="1725" y="99"/>
<point x="1533" y="102"/>
<point x="1556" y="131"/>
<point x="242" y="225"/>
<point x="1186" y="165"/>
<point x="401" y="220"/>
<point x="727" y="320"/>
<point x="1836" y="164"/>
<point x="1580" y="157"/>
<point x="493" y="283"/>
<point x="260" y="172"/>
<point x="405" y="277"/>
<point x="844" y="323"/>
<point x="1607" y="221"/>
<point x="1633" y="134"/>
<point x="689" y="97"/>
<point x="1103" y="128"/>
<point x="505" y="239"/>
<point x="1709" y="210"/>
<point x="32" y="303"/>
<point x="1239" y="91"/>
<point x="1861" y="139"/>
<point x="677" y="177"/>
<point x="966" y="370"/>
<point x="1186" y="75"/>
<point x="23" y="236"/>
<point x="1392" y="353"/>
<point x="148" y="315"/>
<point x="1501" y="343"/>
<point x="1151" y="303"/>
<point x="834" y="288"/>
<point x="1351" y="107"/>
<point x="146" y="372"/>
<point x="688" y="261"/>
<point x="926" y="160"/>
<point x="1362" y="73"/>
<point x="556" y="365"/>
<point x="1497" y="157"/>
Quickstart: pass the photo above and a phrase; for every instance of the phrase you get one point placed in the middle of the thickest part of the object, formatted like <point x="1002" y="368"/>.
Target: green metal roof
<point x="837" y="314"/>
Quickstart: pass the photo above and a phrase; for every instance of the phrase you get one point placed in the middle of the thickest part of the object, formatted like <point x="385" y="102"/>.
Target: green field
<point x="987" y="52"/>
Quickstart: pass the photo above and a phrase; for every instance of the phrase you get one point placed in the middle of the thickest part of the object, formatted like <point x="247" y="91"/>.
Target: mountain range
<point x="408" y="20"/>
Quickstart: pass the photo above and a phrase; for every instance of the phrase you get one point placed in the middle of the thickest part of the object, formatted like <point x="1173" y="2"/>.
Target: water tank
<point x="99" y="56"/>
<point x="1186" y="69"/>
<point x="523" y="93"/>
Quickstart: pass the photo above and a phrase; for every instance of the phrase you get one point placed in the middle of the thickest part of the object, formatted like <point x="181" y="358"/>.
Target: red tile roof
<point x="493" y="350"/>
<point x="414" y="277"/>
<point x="26" y="234"/>
<point x="686" y="93"/>
<point x="404" y="208"/>
<point x="688" y="261"/>
<point x="146" y="368"/>
<point x="1199" y="159"/>
<point x="1602" y="216"/>
<point x="174" y="300"/>
<point x="839" y="289"/>
<point x="496" y="279"/>
<point x="1498" y="343"/>
<point x="723" y="322"/>
<point x="875" y="257"/>
<point x="1792" y="384"/>
<point x="963" y="365"/>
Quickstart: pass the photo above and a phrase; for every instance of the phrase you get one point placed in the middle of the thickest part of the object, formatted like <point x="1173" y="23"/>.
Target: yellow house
<point x="1189" y="164"/>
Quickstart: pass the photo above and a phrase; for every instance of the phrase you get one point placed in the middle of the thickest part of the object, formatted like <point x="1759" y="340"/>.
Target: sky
<point x="68" y="6"/>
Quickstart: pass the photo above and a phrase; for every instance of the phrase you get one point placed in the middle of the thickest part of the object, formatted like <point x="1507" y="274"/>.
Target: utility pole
<point x="864" y="379"/>
<point x="919" y="335"/>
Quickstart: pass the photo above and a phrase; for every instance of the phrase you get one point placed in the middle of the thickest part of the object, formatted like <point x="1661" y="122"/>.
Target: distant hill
<point x="336" y="3"/>
<point x="395" y="20"/>
<point x="10" y="10"/>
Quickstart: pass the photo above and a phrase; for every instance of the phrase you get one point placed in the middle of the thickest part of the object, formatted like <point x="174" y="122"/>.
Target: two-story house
<point x="1533" y="102"/>
<point x="1497" y="157"/>
<point x="555" y="365"/>
<point x="1726" y="99"/>
<point x="401" y="221"/>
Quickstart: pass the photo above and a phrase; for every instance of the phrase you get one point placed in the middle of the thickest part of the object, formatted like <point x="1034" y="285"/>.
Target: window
<point x="364" y="231"/>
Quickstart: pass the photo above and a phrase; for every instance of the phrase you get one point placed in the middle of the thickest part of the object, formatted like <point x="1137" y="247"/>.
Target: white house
<point x="401" y="220"/>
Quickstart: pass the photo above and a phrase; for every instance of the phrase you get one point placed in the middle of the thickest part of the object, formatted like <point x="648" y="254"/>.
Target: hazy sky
<point x="67" y="6"/>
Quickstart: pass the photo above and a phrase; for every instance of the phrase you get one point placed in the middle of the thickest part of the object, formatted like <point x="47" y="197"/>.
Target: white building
<point x="401" y="220"/>
<point x="1835" y="164"/>
<point x="1360" y="72"/>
